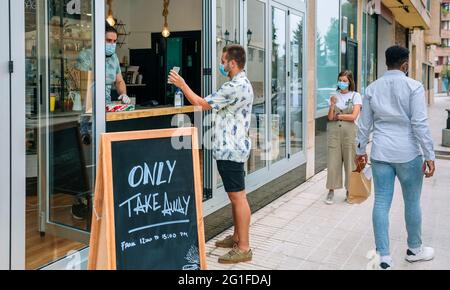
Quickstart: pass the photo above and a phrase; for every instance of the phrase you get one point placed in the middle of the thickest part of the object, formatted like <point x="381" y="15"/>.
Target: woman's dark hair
<point x="349" y="75"/>
<point x="109" y="28"/>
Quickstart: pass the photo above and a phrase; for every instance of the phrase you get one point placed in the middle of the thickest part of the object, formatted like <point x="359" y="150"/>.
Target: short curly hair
<point x="237" y="53"/>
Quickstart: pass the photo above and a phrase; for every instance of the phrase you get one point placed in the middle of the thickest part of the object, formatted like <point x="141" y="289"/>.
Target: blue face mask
<point x="223" y="71"/>
<point x="343" y="86"/>
<point x="110" y="49"/>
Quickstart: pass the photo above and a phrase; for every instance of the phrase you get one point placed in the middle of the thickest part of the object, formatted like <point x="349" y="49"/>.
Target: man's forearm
<point x="195" y="99"/>
<point x="121" y="88"/>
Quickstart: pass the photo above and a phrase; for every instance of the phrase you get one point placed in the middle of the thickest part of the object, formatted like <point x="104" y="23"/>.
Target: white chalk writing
<point x="160" y="173"/>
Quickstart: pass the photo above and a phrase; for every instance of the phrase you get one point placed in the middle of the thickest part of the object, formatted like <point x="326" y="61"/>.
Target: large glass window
<point x="349" y="42"/>
<point x="227" y="32"/>
<point x="445" y="42"/>
<point x="328" y="40"/>
<point x="349" y="9"/>
<point x="227" y="29"/>
<point x="278" y="85"/>
<point x="372" y="48"/>
<point x="60" y="163"/>
<point x="256" y="68"/>
<point x="296" y="82"/>
<point x="364" y="52"/>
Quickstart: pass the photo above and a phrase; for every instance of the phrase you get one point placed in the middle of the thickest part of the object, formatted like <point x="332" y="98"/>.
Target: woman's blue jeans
<point x="411" y="176"/>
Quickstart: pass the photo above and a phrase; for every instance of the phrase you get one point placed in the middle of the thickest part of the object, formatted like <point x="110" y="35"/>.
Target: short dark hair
<point x="237" y="53"/>
<point x="396" y="56"/>
<point x="349" y="75"/>
<point x="109" y="28"/>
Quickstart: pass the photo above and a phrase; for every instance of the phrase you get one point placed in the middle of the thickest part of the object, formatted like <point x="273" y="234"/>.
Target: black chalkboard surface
<point x="149" y="192"/>
<point x="154" y="205"/>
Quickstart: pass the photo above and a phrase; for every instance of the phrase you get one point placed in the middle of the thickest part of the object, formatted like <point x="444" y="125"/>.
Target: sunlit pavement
<point x="299" y="231"/>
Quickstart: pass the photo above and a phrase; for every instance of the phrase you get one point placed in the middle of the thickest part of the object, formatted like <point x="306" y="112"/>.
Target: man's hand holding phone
<point x="175" y="69"/>
<point x="175" y="79"/>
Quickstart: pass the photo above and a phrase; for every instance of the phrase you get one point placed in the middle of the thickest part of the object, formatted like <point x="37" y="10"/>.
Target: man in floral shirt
<point x="232" y="106"/>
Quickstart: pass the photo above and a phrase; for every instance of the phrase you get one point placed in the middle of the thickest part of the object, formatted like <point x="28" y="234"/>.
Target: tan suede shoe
<point x="227" y="243"/>
<point x="236" y="256"/>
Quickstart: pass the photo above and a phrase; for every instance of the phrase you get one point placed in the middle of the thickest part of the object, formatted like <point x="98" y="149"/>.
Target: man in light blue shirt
<point x="394" y="110"/>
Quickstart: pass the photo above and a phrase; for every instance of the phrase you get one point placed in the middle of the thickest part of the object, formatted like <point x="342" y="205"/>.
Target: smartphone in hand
<point x="175" y="69"/>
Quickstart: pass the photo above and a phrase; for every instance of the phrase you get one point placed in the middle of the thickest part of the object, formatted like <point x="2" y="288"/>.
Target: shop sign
<point x="147" y="211"/>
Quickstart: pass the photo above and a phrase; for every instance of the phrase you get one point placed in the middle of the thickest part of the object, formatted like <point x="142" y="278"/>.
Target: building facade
<point x="355" y="34"/>
<point x="296" y="48"/>
<point x="443" y="50"/>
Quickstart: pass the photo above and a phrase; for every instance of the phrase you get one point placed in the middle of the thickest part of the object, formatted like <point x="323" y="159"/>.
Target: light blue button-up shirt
<point x="394" y="109"/>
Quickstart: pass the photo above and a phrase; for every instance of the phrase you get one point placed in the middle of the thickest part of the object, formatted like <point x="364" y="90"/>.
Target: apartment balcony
<point x="442" y="51"/>
<point x="445" y="33"/>
<point x="432" y="36"/>
<point x="445" y="16"/>
<point x="413" y="14"/>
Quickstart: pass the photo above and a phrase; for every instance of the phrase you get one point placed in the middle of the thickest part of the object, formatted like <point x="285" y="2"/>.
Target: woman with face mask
<point x="345" y="106"/>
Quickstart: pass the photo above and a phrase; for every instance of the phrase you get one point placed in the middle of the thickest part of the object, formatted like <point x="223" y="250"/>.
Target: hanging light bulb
<point x="111" y="21"/>
<point x="166" y="32"/>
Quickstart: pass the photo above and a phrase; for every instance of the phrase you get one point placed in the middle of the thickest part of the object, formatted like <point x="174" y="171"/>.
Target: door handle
<point x="40" y="89"/>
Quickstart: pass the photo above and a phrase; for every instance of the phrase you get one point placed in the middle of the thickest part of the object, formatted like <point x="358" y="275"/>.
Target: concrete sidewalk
<point x="438" y="121"/>
<point x="299" y="231"/>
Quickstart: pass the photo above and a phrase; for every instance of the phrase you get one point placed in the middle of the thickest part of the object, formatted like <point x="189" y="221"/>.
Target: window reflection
<point x="60" y="164"/>
<point x="256" y="68"/>
<point x="278" y="85"/>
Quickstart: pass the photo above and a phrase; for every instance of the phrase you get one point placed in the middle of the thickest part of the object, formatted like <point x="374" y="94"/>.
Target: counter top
<point x="147" y="113"/>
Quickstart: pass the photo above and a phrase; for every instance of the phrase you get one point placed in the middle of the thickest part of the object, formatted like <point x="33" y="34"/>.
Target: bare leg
<point x="235" y="234"/>
<point x="242" y="217"/>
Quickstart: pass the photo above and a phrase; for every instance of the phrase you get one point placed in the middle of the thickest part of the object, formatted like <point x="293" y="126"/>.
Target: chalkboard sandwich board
<point x="148" y="202"/>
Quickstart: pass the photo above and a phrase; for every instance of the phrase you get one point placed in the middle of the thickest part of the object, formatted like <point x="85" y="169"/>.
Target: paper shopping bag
<point x="360" y="186"/>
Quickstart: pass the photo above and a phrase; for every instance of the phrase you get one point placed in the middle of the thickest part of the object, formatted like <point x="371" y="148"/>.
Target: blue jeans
<point x="411" y="176"/>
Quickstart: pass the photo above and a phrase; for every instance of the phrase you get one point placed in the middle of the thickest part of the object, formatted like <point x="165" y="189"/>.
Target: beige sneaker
<point x="236" y="256"/>
<point x="227" y="243"/>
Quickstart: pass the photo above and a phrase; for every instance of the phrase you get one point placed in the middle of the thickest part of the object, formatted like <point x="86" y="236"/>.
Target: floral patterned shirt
<point x="232" y="109"/>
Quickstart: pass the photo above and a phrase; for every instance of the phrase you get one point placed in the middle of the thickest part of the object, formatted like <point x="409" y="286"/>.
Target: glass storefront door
<point x="228" y="31"/>
<point x="12" y="122"/>
<point x="287" y="83"/>
<point x="60" y="127"/>
<point x="256" y="73"/>
<point x="274" y="37"/>
<point x="5" y="143"/>
<point x="278" y="96"/>
<point x="296" y="81"/>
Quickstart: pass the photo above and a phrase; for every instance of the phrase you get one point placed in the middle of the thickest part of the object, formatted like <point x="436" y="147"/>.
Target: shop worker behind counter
<point x="394" y="110"/>
<point x="114" y="77"/>
<point x="232" y="106"/>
